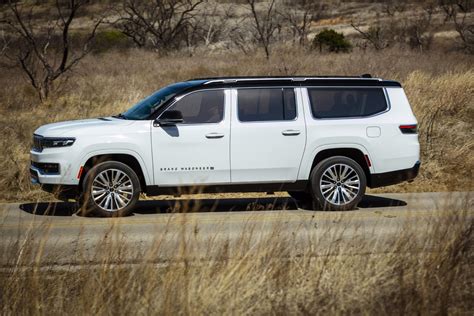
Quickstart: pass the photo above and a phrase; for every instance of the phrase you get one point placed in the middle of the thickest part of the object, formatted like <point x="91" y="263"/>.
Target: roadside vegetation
<point x="113" y="53"/>
<point x="324" y="266"/>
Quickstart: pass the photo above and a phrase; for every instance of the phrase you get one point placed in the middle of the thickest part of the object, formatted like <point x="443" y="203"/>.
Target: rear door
<point x="268" y="135"/>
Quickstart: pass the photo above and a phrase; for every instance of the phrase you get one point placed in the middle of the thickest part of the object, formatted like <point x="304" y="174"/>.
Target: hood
<point x="77" y="127"/>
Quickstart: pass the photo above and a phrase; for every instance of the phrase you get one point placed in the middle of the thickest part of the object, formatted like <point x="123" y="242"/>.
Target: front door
<point x="197" y="150"/>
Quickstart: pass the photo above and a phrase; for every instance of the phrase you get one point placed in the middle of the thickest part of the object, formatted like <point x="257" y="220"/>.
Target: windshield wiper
<point x="120" y="115"/>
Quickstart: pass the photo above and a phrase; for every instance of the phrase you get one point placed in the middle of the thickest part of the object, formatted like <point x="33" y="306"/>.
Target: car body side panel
<point x="389" y="150"/>
<point x="132" y="138"/>
<point x="394" y="150"/>
<point x="266" y="151"/>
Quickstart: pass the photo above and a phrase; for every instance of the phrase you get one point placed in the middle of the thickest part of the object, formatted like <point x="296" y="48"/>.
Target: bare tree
<point x="465" y="31"/>
<point x="301" y="15"/>
<point x="5" y="43"/>
<point x="208" y="26"/>
<point x="392" y="7"/>
<point x="45" y="53"/>
<point x="162" y="24"/>
<point x="458" y="11"/>
<point x="420" y="32"/>
<point x="265" y="23"/>
<point x="416" y="31"/>
<point x="375" y="35"/>
<point x="213" y="23"/>
<point x="239" y="35"/>
<point x="239" y="30"/>
<point x="451" y="8"/>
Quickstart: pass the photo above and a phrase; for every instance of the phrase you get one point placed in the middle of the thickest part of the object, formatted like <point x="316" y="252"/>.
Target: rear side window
<point x="201" y="107"/>
<point x="346" y="102"/>
<point x="272" y="104"/>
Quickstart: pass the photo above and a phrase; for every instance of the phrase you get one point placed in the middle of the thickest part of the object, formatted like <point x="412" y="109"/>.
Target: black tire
<point x="338" y="194"/>
<point x="128" y="196"/>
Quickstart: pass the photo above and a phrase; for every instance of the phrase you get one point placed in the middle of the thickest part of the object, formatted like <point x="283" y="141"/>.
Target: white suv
<point x="319" y="138"/>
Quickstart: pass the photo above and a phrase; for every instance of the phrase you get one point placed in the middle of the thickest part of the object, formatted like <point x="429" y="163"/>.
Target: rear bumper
<point x="394" y="177"/>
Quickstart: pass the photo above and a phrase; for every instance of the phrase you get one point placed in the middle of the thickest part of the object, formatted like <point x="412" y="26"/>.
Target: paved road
<point x="201" y="228"/>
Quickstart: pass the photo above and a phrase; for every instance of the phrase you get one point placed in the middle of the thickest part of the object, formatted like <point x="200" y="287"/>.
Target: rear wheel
<point x="111" y="189"/>
<point x="338" y="183"/>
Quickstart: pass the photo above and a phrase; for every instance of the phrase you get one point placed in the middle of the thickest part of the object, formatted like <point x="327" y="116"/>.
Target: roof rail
<point x="292" y="78"/>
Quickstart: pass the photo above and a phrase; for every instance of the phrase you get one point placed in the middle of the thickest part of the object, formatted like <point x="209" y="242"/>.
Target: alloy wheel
<point x="339" y="184"/>
<point x="112" y="190"/>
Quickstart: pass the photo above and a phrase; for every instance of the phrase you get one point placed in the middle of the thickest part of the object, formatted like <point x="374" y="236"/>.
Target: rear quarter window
<point x="346" y="102"/>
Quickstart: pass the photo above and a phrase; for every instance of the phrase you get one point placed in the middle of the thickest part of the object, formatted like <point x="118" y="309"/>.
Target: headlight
<point x="53" y="142"/>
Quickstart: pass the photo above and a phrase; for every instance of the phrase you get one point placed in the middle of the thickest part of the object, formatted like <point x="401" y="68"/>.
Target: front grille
<point x="46" y="167"/>
<point x="37" y="143"/>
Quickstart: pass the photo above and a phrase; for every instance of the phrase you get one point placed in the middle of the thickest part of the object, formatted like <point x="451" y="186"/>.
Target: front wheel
<point x="111" y="189"/>
<point x="338" y="184"/>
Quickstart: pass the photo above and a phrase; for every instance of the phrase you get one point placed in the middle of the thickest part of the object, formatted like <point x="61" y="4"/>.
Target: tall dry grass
<point x="439" y="85"/>
<point x="425" y="266"/>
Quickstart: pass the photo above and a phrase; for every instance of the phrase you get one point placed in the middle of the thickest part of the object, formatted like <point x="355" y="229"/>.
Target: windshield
<point x="144" y="108"/>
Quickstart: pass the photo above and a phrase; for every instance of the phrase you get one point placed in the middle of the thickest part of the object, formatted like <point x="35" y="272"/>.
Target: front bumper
<point x="389" y="178"/>
<point x="52" y="166"/>
<point x="62" y="192"/>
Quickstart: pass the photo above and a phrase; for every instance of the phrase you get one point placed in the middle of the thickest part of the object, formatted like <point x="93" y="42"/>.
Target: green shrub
<point x="332" y="41"/>
<point x="108" y="39"/>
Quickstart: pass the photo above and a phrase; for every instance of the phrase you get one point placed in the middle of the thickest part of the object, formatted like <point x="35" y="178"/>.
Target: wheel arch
<point x="359" y="155"/>
<point x="125" y="158"/>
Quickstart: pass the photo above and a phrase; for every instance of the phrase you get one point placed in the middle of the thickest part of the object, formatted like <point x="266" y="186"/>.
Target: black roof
<point x="363" y="80"/>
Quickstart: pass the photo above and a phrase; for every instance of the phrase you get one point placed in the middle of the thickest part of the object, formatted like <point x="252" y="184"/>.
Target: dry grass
<point x="440" y="87"/>
<point x="424" y="267"/>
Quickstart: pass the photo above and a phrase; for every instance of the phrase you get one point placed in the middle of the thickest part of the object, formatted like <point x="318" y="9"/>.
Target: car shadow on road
<point x="50" y="208"/>
<point x="372" y="201"/>
<point x="204" y="205"/>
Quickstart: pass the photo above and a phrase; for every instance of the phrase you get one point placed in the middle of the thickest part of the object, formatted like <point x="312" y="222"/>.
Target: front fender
<point x="119" y="151"/>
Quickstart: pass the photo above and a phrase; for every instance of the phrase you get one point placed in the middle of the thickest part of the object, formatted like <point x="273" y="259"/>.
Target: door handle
<point x="291" y="132"/>
<point x="214" y="135"/>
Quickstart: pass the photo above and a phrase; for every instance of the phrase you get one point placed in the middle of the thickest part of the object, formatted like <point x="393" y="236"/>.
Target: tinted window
<point x="201" y="107"/>
<point x="143" y="109"/>
<point x="346" y="102"/>
<point x="266" y="104"/>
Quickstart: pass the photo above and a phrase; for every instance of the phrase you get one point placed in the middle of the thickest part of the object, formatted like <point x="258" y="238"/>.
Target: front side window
<point x="201" y="107"/>
<point x="346" y="102"/>
<point x="143" y="109"/>
<point x="272" y="104"/>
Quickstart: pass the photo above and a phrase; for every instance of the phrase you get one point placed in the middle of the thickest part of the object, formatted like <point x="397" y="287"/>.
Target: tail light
<point x="409" y="129"/>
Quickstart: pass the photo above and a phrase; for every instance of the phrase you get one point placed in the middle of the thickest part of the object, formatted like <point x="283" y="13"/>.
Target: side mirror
<point x="170" y="117"/>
